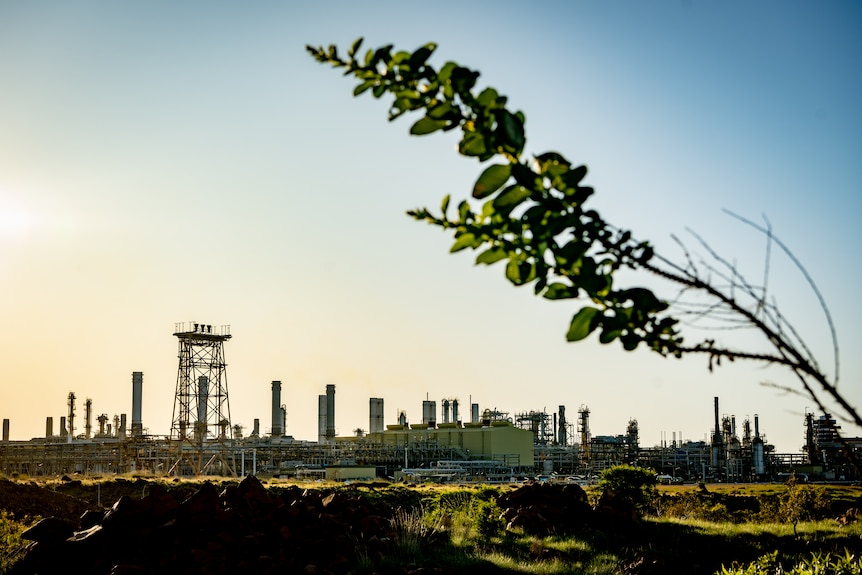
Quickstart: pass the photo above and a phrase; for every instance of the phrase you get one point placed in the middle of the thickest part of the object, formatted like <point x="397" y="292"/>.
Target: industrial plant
<point x="486" y="445"/>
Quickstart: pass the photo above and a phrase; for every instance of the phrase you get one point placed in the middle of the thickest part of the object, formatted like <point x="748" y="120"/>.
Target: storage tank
<point x="474" y="413"/>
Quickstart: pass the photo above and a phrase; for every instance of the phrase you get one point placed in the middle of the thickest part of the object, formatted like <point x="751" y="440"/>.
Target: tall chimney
<point x="277" y="415"/>
<point x="63" y="430"/>
<point x="5" y="430"/>
<point x="121" y="429"/>
<point x="49" y="427"/>
<point x="330" y="413"/>
<point x="375" y="415"/>
<point x="137" y="396"/>
<point x="321" y="419"/>
<point x="88" y="418"/>
<point x="455" y="411"/>
<point x="71" y="419"/>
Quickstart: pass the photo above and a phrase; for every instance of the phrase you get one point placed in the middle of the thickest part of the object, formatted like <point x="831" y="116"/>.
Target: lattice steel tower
<point x="201" y="408"/>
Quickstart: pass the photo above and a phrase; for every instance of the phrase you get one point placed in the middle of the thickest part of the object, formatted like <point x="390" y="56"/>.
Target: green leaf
<point x="491" y="180"/>
<point x="513" y="271"/>
<point x="363" y="87"/>
<point x="487" y="97"/>
<point x="446" y="71"/>
<point x="513" y="131"/>
<point x="464" y="241"/>
<point x="510" y="197"/>
<point x="445" y="205"/>
<point x="440" y="111"/>
<point x="420" y="56"/>
<point x="609" y="335"/>
<point x="473" y="144"/>
<point x="549" y="158"/>
<point x="582" y="324"/>
<point x="426" y="125"/>
<point x="491" y="256"/>
<point x="560" y="291"/>
<point x="526" y="176"/>
<point x="463" y="79"/>
<point x="574" y="176"/>
<point x="355" y="47"/>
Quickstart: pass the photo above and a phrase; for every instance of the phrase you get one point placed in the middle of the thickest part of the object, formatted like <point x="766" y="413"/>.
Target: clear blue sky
<point x="163" y="162"/>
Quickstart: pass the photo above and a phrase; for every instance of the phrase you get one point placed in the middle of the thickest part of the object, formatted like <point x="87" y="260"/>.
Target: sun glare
<point x="16" y="222"/>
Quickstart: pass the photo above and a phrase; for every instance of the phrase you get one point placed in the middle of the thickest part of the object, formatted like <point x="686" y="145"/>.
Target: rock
<point x="49" y="530"/>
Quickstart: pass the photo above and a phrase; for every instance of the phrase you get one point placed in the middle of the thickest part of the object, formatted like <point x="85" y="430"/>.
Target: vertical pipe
<point x="321" y="419"/>
<point x="717" y="428"/>
<point x="277" y="418"/>
<point x="88" y="418"/>
<point x="137" y="396"/>
<point x="203" y="394"/>
<point x="71" y="419"/>
<point x="561" y="434"/>
<point x="330" y="413"/>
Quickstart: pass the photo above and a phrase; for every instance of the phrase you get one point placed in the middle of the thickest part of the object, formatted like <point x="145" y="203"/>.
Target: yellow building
<point x="499" y="442"/>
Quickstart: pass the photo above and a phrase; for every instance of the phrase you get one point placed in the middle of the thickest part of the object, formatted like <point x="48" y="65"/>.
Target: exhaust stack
<point x="277" y="413"/>
<point x="330" y="413"/>
<point x="137" y="395"/>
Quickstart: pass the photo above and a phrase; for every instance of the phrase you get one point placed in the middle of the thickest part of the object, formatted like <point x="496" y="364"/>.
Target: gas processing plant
<point x="486" y="445"/>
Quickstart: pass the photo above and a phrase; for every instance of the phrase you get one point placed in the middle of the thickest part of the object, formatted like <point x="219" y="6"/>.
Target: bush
<point x="635" y="483"/>
<point x="11" y="544"/>
<point x="487" y="519"/>
<point x="817" y="564"/>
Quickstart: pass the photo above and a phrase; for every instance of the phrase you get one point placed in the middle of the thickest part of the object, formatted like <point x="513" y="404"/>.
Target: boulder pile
<point x="546" y="508"/>
<point x="243" y="529"/>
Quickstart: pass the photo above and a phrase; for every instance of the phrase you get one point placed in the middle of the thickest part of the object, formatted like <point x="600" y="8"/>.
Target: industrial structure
<point x="490" y="446"/>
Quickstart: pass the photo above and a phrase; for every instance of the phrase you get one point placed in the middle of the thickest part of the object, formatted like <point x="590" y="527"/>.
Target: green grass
<point x="11" y="544"/>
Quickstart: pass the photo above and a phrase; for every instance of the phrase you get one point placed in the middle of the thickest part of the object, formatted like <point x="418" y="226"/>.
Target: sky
<point x="165" y="162"/>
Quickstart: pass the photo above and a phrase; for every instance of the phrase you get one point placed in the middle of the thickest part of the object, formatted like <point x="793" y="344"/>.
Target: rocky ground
<point x="241" y="527"/>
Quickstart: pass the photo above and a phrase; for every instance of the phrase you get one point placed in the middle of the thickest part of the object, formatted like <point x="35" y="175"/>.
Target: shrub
<point x="487" y="519"/>
<point x="817" y="564"/>
<point x="636" y="483"/>
<point x="11" y="544"/>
